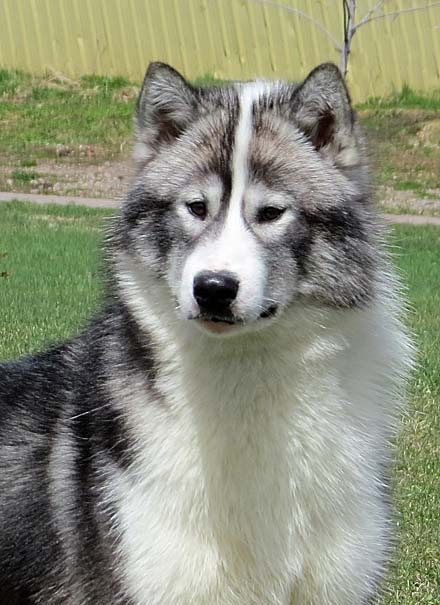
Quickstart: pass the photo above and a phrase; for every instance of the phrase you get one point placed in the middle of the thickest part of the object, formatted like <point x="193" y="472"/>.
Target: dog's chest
<point x="219" y="505"/>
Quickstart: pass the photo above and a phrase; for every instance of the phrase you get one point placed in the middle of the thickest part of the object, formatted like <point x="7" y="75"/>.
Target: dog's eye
<point x="269" y="214"/>
<point x="198" y="209"/>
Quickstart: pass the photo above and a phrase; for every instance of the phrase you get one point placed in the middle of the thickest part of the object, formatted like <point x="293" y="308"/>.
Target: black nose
<point x="215" y="292"/>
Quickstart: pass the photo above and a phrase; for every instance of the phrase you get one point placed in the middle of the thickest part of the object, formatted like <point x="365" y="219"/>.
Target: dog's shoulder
<point x="25" y="381"/>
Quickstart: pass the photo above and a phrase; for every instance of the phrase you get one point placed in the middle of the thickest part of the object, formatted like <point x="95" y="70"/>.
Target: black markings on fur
<point x="134" y="341"/>
<point x="92" y="518"/>
<point x="324" y="129"/>
<point x="142" y="212"/>
<point x="13" y="595"/>
<point x="334" y="223"/>
<point x="338" y="222"/>
<point x="219" y="149"/>
<point x="166" y="106"/>
<point x="144" y="207"/>
<point x="269" y="172"/>
<point x="321" y="106"/>
<point x="300" y="240"/>
<point x="96" y="422"/>
<point x="334" y="255"/>
<point x="64" y="391"/>
<point x="30" y="404"/>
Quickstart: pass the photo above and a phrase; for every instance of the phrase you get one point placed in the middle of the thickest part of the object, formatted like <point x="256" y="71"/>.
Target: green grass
<point x="403" y="144"/>
<point x="415" y="578"/>
<point x="408" y="186"/>
<point x="407" y="98"/>
<point x="24" y="176"/>
<point x="37" y="114"/>
<point x="48" y="272"/>
<point x="49" y="285"/>
<point x="11" y="80"/>
<point x="210" y="80"/>
<point x="28" y="163"/>
<point x="105" y="84"/>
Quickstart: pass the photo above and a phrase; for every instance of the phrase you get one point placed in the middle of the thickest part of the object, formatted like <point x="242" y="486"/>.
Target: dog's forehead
<point x="246" y="135"/>
<point x="221" y="130"/>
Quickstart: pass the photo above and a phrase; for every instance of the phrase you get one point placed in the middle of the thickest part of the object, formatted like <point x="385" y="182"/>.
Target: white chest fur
<point x="257" y="480"/>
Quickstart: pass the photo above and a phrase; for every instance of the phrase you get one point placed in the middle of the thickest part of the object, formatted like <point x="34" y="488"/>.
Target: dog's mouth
<point x="221" y="323"/>
<point x="220" y="320"/>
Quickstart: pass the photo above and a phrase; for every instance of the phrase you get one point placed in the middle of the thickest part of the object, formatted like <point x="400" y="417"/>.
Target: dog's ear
<point x="322" y="110"/>
<point x="166" y="105"/>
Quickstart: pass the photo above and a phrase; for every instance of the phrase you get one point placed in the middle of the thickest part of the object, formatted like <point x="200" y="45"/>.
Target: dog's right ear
<point x="167" y="104"/>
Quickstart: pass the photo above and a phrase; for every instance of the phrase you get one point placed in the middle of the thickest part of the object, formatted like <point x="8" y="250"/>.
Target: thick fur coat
<point x="220" y="432"/>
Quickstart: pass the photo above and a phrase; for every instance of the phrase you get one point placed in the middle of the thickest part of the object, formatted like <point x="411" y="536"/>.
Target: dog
<point x="220" y="433"/>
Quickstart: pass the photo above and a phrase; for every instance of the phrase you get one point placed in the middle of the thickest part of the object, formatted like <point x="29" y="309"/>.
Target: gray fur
<point x="81" y="420"/>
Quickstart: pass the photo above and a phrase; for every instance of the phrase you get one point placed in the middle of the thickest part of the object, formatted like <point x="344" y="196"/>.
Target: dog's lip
<point x="218" y="326"/>
<point x="230" y="321"/>
<point x="268" y="313"/>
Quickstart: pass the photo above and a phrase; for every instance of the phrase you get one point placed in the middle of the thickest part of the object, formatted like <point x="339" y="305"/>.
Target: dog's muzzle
<point x="215" y="294"/>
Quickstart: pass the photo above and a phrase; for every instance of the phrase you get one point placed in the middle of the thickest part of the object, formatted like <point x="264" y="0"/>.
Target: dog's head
<point x="249" y="198"/>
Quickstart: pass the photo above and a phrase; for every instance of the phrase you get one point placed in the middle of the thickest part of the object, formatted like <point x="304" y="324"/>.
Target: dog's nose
<point x="215" y="292"/>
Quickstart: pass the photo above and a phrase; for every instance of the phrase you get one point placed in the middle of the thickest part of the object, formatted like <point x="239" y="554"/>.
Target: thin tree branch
<point x="349" y="10"/>
<point x="396" y="13"/>
<point x="371" y="12"/>
<point x="296" y="11"/>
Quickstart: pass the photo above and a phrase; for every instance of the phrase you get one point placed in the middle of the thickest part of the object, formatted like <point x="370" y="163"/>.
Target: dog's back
<point x="58" y="435"/>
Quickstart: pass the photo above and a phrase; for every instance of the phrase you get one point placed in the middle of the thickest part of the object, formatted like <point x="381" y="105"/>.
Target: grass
<point x="11" y="80"/>
<point x="37" y="114"/>
<point x="48" y="287"/>
<point x="407" y="98"/>
<point x="24" y="176"/>
<point x="415" y="578"/>
<point x="48" y="272"/>
<point x="408" y="186"/>
<point x="28" y="163"/>
<point x="405" y="146"/>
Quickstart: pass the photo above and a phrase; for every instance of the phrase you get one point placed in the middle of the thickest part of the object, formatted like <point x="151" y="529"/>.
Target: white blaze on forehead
<point x="235" y="249"/>
<point x="249" y="93"/>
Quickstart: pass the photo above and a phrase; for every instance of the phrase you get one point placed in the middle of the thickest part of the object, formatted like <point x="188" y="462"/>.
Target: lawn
<point x="49" y="268"/>
<point x="48" y="272"/>
<point x="54" y="117"/>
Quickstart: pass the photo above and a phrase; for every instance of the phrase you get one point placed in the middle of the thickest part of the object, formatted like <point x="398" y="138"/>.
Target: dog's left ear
<point x="166" y="105"/>
<point x="322" y="110"/>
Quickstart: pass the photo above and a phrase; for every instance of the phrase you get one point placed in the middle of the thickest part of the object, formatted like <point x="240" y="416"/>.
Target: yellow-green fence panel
<point x="229" y="39"/>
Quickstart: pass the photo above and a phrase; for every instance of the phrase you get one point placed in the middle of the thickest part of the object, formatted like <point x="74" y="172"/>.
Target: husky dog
<point x="219" y="433"/>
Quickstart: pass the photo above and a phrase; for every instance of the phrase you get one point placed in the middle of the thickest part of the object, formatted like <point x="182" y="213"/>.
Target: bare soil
<point x="109" y="179"/>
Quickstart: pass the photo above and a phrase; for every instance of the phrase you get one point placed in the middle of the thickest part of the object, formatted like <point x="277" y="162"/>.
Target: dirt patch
<point x="429" y="134"/>
<point x="109" y="179"/>
<point x="390" y="200"/>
